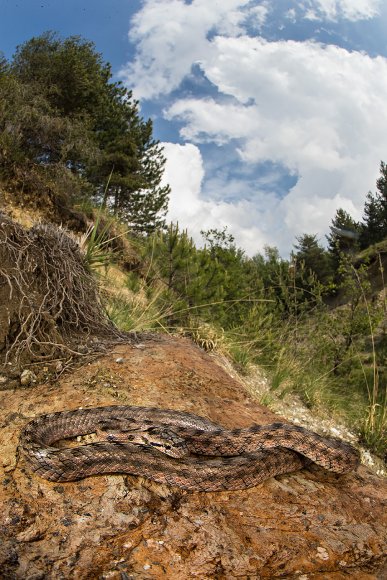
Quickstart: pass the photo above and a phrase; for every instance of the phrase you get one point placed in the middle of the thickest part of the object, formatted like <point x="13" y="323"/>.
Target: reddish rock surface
<point x="305" y="525"/>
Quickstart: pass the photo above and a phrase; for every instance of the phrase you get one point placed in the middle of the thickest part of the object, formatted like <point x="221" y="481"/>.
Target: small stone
<point x="146" y="566"/>
<point x="322" y="553"/>
<point x="59" y="488"/>
<point x="27" y="377"/>
<point x="59" y="366"/>
<point x="119" y="360"/>
<point x="3" y="380"/>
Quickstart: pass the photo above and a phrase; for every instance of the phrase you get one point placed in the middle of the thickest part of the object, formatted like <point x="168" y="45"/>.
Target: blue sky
<point x="272" y="113"/>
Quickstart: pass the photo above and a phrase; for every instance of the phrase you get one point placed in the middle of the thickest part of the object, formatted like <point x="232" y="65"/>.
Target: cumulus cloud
<point x="316" y="110"/>
<point x="251" y="224"/>
<point x="342" y="9"/>
<point x="257" y="15"/>
<point x="170" y="36"/>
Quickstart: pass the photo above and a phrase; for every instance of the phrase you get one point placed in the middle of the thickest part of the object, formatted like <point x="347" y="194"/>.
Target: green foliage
<point x="240" y="357"/>
<point x="67" y="130"/>
<point x="277" y="317"/>
<point x="37" y="145"/>
<point x="343" y="238"/>
<point x="69" y="73"/>
<point x="184" y="273"/>
<point x="331" y="357"/>
<point x="374" y="227"/>
<point x="313" y="258"/>
<point x="62" y="108"/>
<point x="3" y="64"/>
<point x="95" y="244"/>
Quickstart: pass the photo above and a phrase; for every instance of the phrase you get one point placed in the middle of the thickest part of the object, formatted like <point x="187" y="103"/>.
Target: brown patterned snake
<point x="174" y="447"/>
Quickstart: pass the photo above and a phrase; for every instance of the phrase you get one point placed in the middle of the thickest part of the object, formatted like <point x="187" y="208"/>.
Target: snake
<point x="176" y="448"/>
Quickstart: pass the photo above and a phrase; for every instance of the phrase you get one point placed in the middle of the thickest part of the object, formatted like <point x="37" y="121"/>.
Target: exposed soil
<point x="307" y="525"/>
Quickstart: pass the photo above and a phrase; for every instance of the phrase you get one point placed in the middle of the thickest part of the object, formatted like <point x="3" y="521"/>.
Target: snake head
<point x="160" y="439"/>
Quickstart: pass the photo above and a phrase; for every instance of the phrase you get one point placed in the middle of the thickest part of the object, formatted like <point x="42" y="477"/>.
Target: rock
<point x="58" y="366"/>
<point x="119" y="360"/>
<point x="27" y="377"/>
<point x="310" y="524"/>
<point x="31" y="534"/>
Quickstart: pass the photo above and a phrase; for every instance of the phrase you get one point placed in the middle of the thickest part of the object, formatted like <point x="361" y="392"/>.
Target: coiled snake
<point x="174" y="447"/>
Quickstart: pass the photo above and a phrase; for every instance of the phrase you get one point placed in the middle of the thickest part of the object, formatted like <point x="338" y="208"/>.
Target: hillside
<point x="104" y="303"/>
<point x="309" y="522"/>
<point x="77" y="152"/>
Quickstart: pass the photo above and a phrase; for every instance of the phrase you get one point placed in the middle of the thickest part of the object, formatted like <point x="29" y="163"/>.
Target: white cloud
<point x="257" y="15"/>
<point x="209" y="121"/>
<point x="319" y="111"/>
<point x="170" y="36"/>
<point x="251" y="224"/>
<point x="184" y="172"/>
<point x="346" y="9"/>
<point x="291" y="15"/>
<point x="311" y="15"/>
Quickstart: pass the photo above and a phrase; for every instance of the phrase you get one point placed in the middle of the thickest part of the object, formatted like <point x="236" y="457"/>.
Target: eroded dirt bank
<point x="306" y="525"/>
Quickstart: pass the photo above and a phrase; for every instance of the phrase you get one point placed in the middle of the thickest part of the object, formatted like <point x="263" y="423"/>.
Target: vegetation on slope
<point x="68" y="132"/>
<point x="316" y="322"/>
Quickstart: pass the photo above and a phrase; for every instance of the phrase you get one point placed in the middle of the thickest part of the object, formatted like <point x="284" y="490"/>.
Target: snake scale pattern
<point x="175" y="448"/>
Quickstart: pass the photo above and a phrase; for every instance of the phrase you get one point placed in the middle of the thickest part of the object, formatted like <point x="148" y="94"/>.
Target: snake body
<point x="197" y="454"/>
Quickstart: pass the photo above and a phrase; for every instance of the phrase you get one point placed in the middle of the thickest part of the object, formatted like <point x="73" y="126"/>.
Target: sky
<point x="272" y="113"/>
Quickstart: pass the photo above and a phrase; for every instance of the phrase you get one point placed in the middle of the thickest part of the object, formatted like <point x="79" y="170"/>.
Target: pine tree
<point x="381" y="183"/>
<point x="76" y="82"/>
<point x="233" y="276"/>
<point x="276" y="276"/>
<point x="37" y="145"/>
<point x="313" y="256"/>
<point x="374" y="226"/>
<point x="139" y="198"/>
<point x="3" y="64"/>
<point x="189" y="275"/>
<point x="343" y="237"/>
<point x="218" y="281"/>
